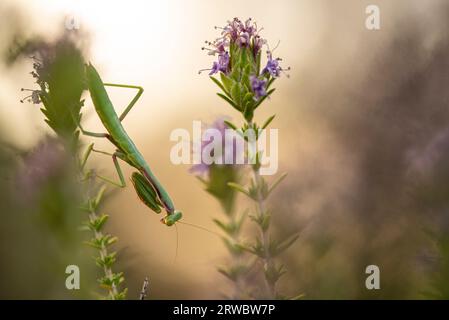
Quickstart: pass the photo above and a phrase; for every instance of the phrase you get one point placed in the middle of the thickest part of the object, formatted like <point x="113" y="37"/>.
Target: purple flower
<point x="199" y="169"/>
<point x="232" y="29"/>
<point x="219" y="124"/>
<point x="40" y="165"/>
<point x="218" y="46"/>
<point x="222" y="65"/>
<point x="33" y="97"/>
<point x="273" y="67"/>
<point x="234" y="34"/>
<point x="258" y="86"/>
<point x="243" y="40"/>
<point x="235" y="31"/>
<point x="250" y="27"/>
<point x="258" y="42"/>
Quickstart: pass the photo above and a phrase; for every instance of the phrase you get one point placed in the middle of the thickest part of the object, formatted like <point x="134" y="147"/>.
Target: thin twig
<point x="144" y="291"/>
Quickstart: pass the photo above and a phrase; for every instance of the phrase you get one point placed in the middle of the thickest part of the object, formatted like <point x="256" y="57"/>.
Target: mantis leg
<point x="133" y="101"/>
<point x="89" y="133"/>
<point x="114" y="156"/>
<point x="86" y="155"/>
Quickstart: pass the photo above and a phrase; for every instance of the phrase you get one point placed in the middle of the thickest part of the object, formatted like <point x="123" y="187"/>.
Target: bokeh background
<point x="364" y="135"/>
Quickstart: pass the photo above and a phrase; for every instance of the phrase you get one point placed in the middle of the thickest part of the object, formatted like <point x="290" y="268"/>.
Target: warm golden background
<point x="363" y="127"/>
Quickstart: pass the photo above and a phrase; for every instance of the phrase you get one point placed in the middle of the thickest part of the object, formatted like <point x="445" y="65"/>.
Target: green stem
<point x="113" y="292"/>
<point x="238" y="283"/>
<point x="264" y="234"/>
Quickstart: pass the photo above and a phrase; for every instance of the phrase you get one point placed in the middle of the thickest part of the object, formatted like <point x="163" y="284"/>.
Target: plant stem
<point x="143" y="293"/>
<point x="238" y="283"/>
<point x="264" y="234"/>
<point x="113" y="292"/>
<point x="268" y="261"/>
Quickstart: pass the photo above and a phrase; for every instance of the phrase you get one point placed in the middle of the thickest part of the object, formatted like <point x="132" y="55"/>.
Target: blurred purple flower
<point x="219" y="124"/>
<point x="40" y="164"/>
<point x="258" y="86"/>
<point x="425" y="159"/>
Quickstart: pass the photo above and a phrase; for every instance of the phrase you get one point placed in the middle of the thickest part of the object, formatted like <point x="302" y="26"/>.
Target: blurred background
<point x="364" y="135"/>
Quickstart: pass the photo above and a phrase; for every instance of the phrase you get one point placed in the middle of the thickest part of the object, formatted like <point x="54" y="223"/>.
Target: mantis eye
<point x="171" y="219"/>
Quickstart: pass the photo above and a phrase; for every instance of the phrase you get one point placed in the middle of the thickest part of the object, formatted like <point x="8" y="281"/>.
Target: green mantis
<point x="147" y="186"/>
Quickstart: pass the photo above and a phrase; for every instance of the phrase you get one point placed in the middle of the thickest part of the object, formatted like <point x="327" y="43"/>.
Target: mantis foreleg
<point x="122" y="116"/>
<point x="133" y="101"/>
<point x="115" y="157"/>
<point x="89" y="133"/>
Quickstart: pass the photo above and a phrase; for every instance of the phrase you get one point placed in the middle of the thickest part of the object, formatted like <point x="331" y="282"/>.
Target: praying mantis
<point x="148" y="188"/>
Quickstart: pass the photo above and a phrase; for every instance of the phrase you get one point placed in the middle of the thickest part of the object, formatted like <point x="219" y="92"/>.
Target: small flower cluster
<point x="58" y="68"/>
<point x="43" y="56"/>
<point x="244" y="83"/>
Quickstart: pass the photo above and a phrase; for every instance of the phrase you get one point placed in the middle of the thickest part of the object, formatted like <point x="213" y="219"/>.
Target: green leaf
<point x="284" y="245"/>
<point x="265" y="221"/>
<point x="235" y="74"/>
<point x="220" y="85"/>
<point x="248" y="98"/>
<point x="263" y="98"/>
<point x="273" y="273"/>
<point x="92" y="243"/>
<point x="268" y="121"/>
<point x="270" y="82"/>
<point x="258" y="59"/>
<point x="106" y="261"/>
<point x="97" y="223"/>
<point x="99" y="196"/>
<point x="227" y="274"/>
<point x="248" y="111"/>
<point x="246" y="78"/>
<point x="262" y="219"/>
<point x="226" y="81"/>
<point x="223" y="226"/>
<point x="121" y="295"/>
<point x="256" y="249"/>
<point x="236" y="94"/>
<point x="229" y="101"/>
<point x="276" y="183"/>
<point x="239" y="222"/>
<point x="297" y="297"/>
<point x="233" y="248"/>
<point x="239" y="188"/>
<point x="230" y="125"/>
<point x="204" y="181"/>
<point x="233" y="272"/>
<point x="101" y="221"/>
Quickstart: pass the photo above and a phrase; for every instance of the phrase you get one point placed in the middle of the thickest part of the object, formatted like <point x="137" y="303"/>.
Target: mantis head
<point x="171" y="219"/>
